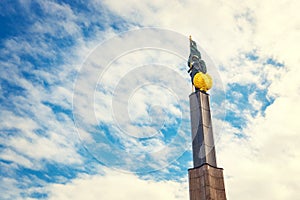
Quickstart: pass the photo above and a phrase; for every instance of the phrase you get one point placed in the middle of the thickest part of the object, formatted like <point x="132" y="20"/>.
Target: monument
<point x="206" y="180"/>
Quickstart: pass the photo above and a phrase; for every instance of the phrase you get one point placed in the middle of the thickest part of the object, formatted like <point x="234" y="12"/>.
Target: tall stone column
<point x="206" y="180"/>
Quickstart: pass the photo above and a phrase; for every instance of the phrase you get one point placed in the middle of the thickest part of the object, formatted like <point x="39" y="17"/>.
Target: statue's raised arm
<point x="197" y="69"/>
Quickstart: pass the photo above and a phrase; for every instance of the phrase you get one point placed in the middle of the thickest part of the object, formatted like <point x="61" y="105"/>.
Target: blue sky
<point x="93" y="97"/>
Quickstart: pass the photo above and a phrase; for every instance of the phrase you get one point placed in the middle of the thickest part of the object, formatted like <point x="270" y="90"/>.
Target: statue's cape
<point x="198" y="64"/>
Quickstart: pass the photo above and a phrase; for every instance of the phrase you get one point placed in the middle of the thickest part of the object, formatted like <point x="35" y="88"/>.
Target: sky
<point x="94" y="97"/>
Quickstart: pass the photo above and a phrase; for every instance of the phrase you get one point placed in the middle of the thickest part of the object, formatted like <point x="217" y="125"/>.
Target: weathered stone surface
<point x="206" y="182"/>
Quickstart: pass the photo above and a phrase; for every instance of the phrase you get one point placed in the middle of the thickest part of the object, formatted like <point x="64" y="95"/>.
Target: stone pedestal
<point x="206" y="183"/>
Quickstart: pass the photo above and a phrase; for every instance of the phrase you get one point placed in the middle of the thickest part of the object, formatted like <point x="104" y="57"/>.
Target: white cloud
<point x="256" y="104"/>
<point x="32" y="131"/>
<point x="115" y="185"/>
<point x="133" y="75"/>
<point x="211" y="23"/>
<point x="27" y="147"/>
<point x="267" y="158"/>
<point x="10" y="155"/>
<point x="9" y="188"/>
